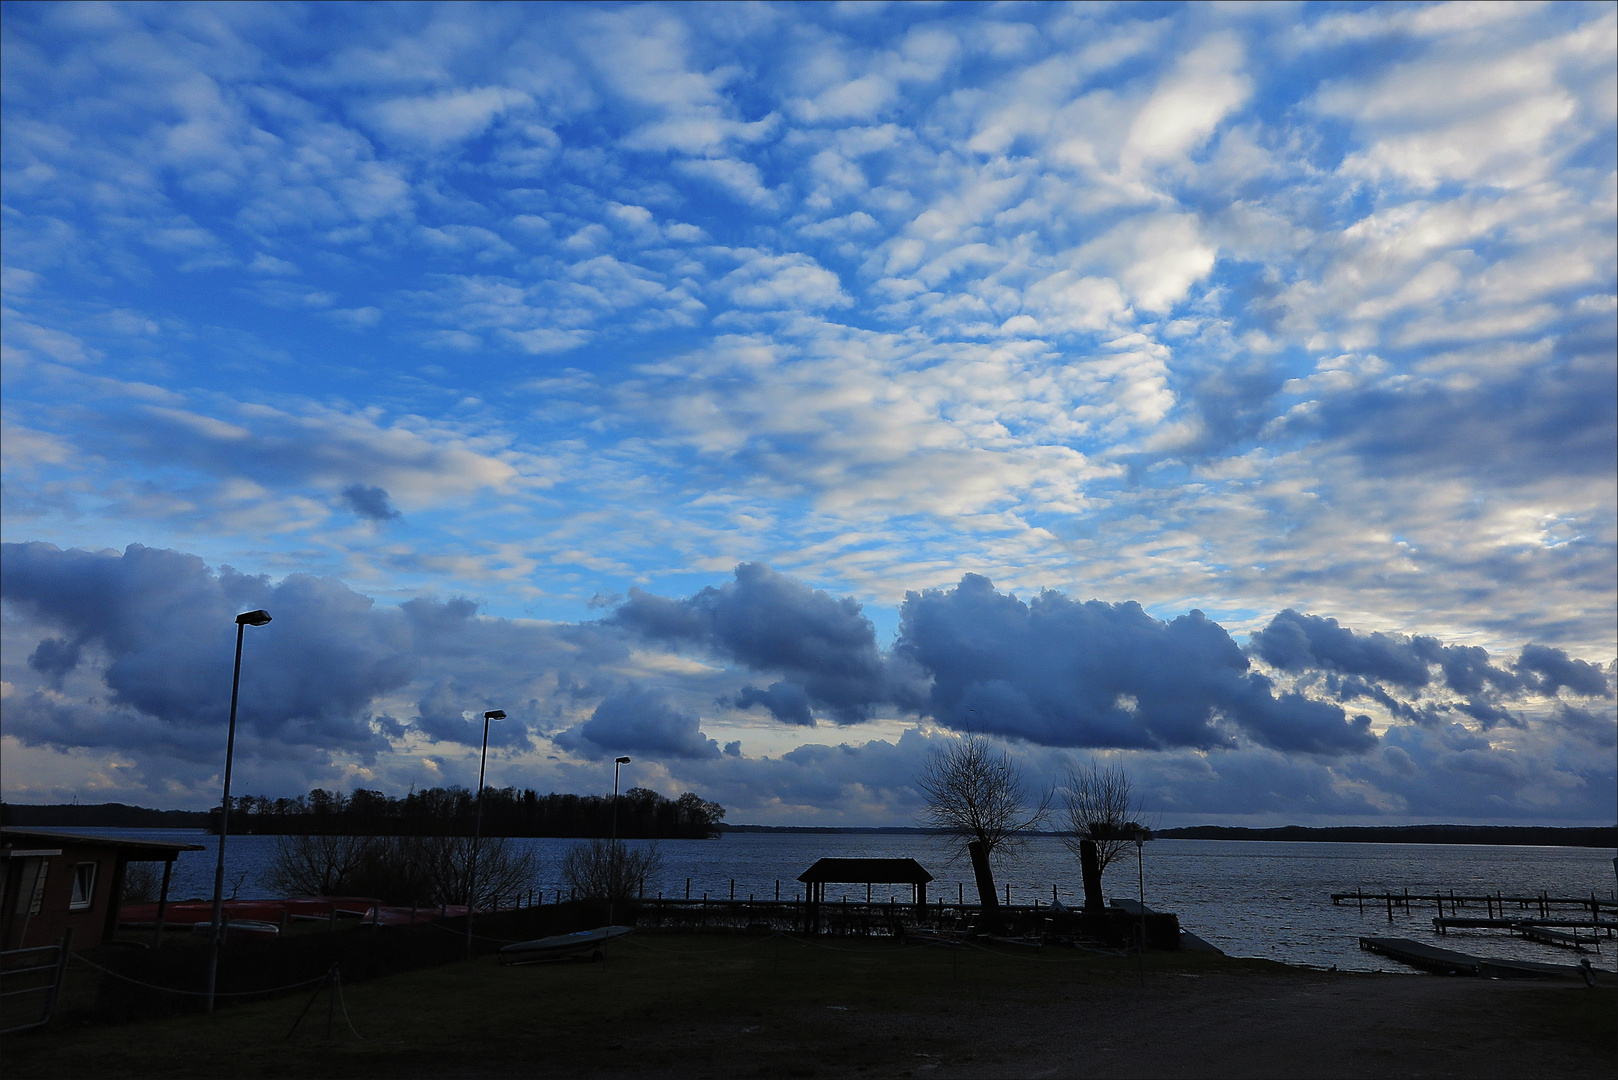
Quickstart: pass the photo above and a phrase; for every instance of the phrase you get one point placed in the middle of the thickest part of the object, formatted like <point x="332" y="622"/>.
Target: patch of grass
<point x="674" y="1004"/>
<point x="657" y="1003"/>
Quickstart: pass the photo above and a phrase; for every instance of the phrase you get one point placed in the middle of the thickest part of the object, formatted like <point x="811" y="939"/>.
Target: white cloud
<point x="436" y="121"/>
<point x="1186" y="107"/>
<point x="784" y="281"/>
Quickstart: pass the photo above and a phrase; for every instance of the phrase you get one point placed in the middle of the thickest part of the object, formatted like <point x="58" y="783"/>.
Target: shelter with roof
<point x="53" y="881"/>
<point x="861" y="872"/>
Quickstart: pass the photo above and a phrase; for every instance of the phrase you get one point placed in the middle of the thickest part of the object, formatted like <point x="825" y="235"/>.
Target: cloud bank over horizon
<point x="782" y="388"/>
<point x="133" y="651"/>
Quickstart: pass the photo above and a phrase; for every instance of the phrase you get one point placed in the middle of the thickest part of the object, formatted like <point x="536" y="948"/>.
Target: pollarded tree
<point x="976" y="792"/>
<point x="1100" y="805"/>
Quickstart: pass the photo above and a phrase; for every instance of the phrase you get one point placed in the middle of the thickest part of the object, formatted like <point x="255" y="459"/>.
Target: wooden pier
<point x="1495" y="905"/>
<point x="1544" y="931"/>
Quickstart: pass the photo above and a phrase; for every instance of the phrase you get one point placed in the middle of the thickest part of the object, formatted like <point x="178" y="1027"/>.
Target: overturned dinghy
<point x="559" y="946"/>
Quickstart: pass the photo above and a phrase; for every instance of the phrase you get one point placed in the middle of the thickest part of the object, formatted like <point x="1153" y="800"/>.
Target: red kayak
<point x="188" y="912"/>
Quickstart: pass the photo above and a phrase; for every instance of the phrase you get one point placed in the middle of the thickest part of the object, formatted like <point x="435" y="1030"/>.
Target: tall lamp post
<point x="477" y="826"/>
<point x="243" y="621"/>
<point x="612" y="879"/>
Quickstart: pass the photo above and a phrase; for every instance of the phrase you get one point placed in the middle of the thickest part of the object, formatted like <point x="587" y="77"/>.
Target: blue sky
<point x="772" y="392"/>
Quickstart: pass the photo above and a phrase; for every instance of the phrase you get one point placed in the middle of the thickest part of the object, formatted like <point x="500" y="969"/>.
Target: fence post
<point x="60" y="974"/>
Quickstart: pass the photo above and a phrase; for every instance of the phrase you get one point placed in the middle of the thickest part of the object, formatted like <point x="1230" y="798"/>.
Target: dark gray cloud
<point x="160" y="628"/>
<point x="369" y="502"/>
<point x="639" y="720"/>
<point x="1548" y="670"/>
<point x="55" y="658"/>
<point x="787" y="702"/>
<point x="1063" y="673"/>
<point x="1294" y="642"/>
<point x="165" y="625"/>
<point x="770" y="622"/>
<point x="1311" y="643"/>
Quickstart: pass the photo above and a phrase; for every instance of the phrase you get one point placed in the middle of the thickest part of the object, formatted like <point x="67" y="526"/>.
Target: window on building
<point x="84" y="886"/>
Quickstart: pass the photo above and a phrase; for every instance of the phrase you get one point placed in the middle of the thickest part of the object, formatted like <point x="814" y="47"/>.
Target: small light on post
<point x="247" y="618"/>
<point x="612" y="852"/>
<point x="477" y="826"/>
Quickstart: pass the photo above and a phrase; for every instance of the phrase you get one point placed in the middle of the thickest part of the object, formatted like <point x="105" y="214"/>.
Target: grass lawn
<point x="686" y="1005"/>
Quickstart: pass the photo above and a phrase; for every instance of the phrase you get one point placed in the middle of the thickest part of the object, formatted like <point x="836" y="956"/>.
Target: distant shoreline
<point x="1519" y="835"/>
<point x="120" y="815"/>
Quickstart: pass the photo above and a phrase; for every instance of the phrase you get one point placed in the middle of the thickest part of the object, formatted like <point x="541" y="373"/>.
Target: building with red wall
<point x="53" y="881"/>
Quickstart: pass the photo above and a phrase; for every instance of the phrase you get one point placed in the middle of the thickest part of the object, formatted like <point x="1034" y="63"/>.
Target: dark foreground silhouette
<point x="737" y="1005"/>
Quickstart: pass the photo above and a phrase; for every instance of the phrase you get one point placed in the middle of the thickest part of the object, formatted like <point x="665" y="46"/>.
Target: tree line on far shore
<point x="642" y="814"/>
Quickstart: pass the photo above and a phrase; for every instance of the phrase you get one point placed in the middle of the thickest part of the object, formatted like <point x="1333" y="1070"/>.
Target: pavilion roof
<point x="846" y="871"/>
<point x="133" y="850"/>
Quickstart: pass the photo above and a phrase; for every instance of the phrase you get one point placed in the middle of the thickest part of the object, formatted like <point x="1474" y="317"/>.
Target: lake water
<point x="1251" y="898"/>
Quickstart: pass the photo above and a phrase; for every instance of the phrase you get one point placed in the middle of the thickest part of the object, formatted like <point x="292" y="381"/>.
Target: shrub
<point x="608" y="870"/>
<point x="401" y="869"/>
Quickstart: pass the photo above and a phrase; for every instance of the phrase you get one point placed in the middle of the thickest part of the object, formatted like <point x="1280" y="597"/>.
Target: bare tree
<point x="1101" y="806"/>
<point x="317" y="865"/>
<point x="609" y="869"/>
<point x="141" y="883"/>
<point x="976" y="792"/>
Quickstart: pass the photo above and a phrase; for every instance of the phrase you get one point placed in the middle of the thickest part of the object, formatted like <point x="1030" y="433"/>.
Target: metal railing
<point x="43" y="966"/>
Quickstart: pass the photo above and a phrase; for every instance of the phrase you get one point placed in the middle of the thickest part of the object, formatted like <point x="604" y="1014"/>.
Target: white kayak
<point x="559" y="945"/>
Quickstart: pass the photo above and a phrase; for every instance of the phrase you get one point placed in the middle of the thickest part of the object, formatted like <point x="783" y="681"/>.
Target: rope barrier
<point x="476" y="937"/>
<point x="342" y="1003"/>
<point x="1042" y="960"/>
<point x="197" y="993"/>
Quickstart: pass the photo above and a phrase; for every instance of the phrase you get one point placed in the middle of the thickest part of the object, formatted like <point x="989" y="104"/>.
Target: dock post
<point x="1389" y="898"/>
<point x="1440" y="898"/>
<point x="1360" y="896"/>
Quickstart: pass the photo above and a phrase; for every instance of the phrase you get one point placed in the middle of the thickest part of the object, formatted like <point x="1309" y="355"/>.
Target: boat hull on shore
<point x="559" y="946"/>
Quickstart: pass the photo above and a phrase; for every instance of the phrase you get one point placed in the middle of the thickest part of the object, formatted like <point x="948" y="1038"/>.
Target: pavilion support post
<point x="163" y="902"/>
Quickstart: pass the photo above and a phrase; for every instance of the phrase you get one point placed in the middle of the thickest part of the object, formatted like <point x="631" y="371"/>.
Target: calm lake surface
<point x="1250" y="897"/>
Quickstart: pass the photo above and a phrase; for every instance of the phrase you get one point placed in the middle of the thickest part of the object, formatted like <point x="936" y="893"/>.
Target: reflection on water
<point x="1251" y="898"/>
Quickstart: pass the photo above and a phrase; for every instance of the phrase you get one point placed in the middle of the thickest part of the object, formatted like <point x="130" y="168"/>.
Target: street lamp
<point x="243" y="621"/>
<point x="612" y="879"/>
<point x="477" y="826"/>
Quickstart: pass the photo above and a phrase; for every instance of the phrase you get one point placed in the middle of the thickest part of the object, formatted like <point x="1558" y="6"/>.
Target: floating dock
<point x="1448" y="962"/>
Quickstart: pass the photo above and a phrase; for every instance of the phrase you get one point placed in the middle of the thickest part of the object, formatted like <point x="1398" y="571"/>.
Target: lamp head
<point x="495" y="714"/>
<point x="621" y="761"/>
<point x="253" y="618"/>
